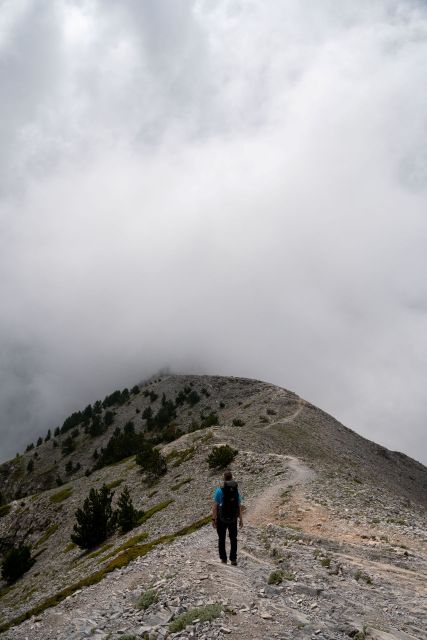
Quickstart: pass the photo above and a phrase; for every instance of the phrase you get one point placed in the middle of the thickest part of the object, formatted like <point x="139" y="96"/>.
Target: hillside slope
<point x="342" y="518"/>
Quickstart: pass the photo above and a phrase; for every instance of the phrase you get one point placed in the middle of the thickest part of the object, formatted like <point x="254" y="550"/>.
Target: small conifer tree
<point x="96" y="520"/>
<point x="17" y="561"/>
<point x="151" y="461"/>
<point x="68" y="446"/>
<point x="127" y="515"/>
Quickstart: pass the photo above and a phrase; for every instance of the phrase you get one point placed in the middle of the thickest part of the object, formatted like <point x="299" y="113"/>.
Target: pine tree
<point x="68" y="446"/>
<point x="16" y="562"/>
<point x="151" y="461"/>
<point x="127" y="515"/>
<point x="96" y="520"/>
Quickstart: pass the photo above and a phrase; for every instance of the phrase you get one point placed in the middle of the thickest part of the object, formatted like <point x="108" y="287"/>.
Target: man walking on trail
<point x="225" y="513"/>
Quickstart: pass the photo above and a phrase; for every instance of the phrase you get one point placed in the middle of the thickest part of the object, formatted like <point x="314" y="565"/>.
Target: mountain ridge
<point x="300" y="470"/>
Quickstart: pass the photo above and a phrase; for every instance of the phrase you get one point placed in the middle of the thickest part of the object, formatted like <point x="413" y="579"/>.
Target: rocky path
<point x="265" y="506"/>
<point x="324" y="588"/>
<point x="300" y="406"/>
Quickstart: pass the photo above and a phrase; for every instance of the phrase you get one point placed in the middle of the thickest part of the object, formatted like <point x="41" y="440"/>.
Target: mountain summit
<point x="333" y="545"/>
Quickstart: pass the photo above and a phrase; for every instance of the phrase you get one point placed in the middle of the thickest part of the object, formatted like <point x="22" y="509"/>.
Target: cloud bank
<point x="231" y="187"/>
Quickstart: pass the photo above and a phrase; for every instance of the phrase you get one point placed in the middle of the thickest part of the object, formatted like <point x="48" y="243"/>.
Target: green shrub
<point x="16" y="562"/>
<point x="221" y="457"/>
<point x="95" y="520"/>
<point x="148" y="598"/>
<point x="275" y="577"/>
<point x="237" y="422"/>
<point x="209" y="421"/>
<point x="204" y="614"/>
<point x="361" y="575"/>
<point x="127" y="515"/>
<point x="325" y="562"/>
<point x="30" y="466"/>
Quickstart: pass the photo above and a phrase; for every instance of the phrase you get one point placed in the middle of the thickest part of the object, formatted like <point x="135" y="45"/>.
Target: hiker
<point x="225" y="512"/>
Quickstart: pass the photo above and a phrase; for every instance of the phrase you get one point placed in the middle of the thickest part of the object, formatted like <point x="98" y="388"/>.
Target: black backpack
<point x="229" y="508"/>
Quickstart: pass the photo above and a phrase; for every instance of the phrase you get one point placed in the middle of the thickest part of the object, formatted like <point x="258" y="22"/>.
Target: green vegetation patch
<point x="70" y="546"/>
<point x="132" y="542"/>
<point x="181" y="484"/>
<point x="237" y="422"/>
<point x="128" y="459"/>
<point x="204" y="614"/>
<point x="98" y="552"/>
<point x="178" y="457"/>
<point x="114" y="484"/>
<point x="221" y="456"/>
<point x="4" y="510"/>
<point x="325" y="562"/>
<point x="49" y="532"/>
<point x="361" y="575"/>
<point x="6" y="590"/>
<point x="277" y="577"/>
<point x="121" y="561"/>
<point x="62" y="495"/>
<point x="148" y="598"/>
<point x="150" y="512"/>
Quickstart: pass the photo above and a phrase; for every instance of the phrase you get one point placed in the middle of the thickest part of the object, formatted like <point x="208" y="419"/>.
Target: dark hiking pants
<point x="222" y="528"/>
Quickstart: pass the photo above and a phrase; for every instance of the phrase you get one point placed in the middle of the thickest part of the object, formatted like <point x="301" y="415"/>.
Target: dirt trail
<point x="263" y="509"/>
<point x="288" y="419"/>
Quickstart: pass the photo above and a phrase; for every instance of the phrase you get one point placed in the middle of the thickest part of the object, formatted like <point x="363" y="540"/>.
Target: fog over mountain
<point x="228" y="187"/>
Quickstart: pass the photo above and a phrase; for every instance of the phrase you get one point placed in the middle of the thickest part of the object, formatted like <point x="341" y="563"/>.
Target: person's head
<point x="227" y="475"/>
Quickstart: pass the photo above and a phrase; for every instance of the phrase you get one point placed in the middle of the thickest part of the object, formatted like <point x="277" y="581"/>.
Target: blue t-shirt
<point x="217" y="496"/>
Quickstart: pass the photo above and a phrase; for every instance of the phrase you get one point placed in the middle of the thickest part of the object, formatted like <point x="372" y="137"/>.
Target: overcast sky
<point x="233" y="187"/>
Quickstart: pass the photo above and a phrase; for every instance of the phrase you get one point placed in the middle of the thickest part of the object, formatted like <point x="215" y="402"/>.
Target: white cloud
<point x="228" y="187"/>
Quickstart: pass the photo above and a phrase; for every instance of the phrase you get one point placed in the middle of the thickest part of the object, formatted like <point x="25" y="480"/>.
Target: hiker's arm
<point x="214" y="514"/>
<point x="240" y="516"/>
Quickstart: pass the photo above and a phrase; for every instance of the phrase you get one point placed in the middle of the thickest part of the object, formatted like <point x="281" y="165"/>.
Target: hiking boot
<point x="224" y="562"/>
<point x="234" y="563"/>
